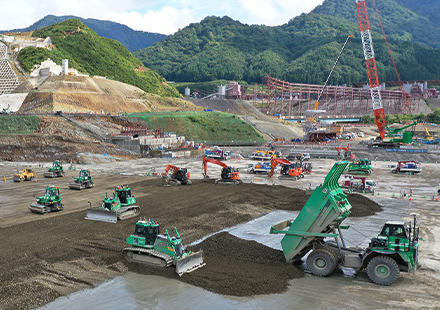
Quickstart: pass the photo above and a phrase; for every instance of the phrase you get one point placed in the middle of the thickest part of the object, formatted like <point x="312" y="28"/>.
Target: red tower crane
<point x="373" y="80"/>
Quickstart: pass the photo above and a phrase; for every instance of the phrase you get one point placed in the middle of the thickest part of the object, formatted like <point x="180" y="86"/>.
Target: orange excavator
<point x="178" y="176"/>
<point x="229" y="174"/>
<point x="346" y="154"/>
<point x="289" y="170"/>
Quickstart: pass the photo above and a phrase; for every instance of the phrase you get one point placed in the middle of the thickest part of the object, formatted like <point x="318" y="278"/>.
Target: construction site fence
<point x="231" y="143"/>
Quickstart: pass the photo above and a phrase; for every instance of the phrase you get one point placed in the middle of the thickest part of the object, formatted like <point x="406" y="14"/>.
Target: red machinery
<point x="178" y="176"/>
<point x="373" y="80"/>
<point x="347" y="153"/>
<point x="229" y="174"/>
<point x="289" y="170"/>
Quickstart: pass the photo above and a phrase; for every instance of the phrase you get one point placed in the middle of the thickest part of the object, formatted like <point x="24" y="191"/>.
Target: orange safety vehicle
<point x="229" y="174"/>
<point x="289" y="170"/>
<point x="178" y="176"/>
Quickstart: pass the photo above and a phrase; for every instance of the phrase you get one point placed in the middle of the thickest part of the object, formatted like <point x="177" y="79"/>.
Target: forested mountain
<point x="403" y="20"/>
<point x="89" y="53"/>
<point x="131" y="39"/>
<point x="303" y="51"/>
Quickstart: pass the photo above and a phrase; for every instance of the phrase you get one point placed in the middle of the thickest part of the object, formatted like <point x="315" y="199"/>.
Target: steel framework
<point x="292" y="100"/>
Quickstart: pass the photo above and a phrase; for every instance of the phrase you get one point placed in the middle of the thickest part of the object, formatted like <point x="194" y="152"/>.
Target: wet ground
<point x="53" y="255"/>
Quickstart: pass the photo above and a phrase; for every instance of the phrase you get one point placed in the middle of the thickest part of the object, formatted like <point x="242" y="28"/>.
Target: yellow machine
<point x="27" y="174"/>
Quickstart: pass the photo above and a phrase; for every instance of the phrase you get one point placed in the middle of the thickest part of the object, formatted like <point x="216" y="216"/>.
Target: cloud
<point x="275" y="12"/>
<point x="164" y="17"/>
<point x="166" y="20"/>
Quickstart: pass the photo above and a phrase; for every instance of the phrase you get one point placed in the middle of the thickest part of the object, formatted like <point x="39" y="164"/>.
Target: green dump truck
<point x="395" y="249"/>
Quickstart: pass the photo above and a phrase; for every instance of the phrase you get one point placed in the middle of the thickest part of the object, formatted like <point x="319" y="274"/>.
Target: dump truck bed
<point x="326" y="208"/>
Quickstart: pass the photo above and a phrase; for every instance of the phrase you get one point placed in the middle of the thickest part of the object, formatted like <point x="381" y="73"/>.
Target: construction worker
<point x="4" y="179"/>
<point x="438" y="189"/>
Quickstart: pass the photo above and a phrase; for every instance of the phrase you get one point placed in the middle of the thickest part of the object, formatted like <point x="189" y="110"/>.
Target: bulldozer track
<point x="128" y="212"/>
<point x="149" y="257"/>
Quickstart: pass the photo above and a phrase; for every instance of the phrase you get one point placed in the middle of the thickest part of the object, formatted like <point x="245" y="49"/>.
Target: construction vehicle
<point x="84" y="180"/>
<point x="395" y="248"/>
<point x="178" y="176"/>
<point x="259" y="168"/>
<point x="346" y="154"/>
<point x="217" y="153"/>
<point x="229" y="175"/>
<point x="55" y="171"/>
<point x="289" y="170"/>
<point x="120" y="206"/>
<point x="50" y="202"/>
<point x="26" y="174"/>
<point x="149" y="247"/>
<point x="408" y="166"/>
<point x="360" y="166"/>
<point x="260" y="155"/>
<point x="358" y="184"/>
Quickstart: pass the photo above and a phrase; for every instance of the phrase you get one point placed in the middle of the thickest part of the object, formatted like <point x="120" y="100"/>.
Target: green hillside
<point x="212" y="127"/>
<point x="131" y="39"/>
<point x="302" y="51"/>
<point x="94" y="55"/>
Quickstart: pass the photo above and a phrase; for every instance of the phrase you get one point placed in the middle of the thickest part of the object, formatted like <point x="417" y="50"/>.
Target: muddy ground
<point x="47" y="256"/>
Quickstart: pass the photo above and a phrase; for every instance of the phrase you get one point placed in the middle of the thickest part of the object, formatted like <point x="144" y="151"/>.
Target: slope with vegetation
<point x="131" y="39"/>
<point x="89" y="53"/>
<point x="210" y="127"/>
<point x="303" y="50"/>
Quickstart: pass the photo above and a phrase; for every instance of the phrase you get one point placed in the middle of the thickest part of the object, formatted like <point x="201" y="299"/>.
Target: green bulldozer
<point x="395" y="249"/>
<point x="84" y="180"/>
<point x="120" y="206"/>
<point x="50" y="202"/>
<point x="150" y="247"/>
<point x="55" y="171"/>
<point x="360" y="166"/>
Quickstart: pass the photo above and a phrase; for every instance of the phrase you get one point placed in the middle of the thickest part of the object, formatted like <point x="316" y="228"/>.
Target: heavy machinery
<point x="84" y="180"/>
<point x="150" y="247"/>
<point x="394" y="250"/>
<point x="26" y="174"/>
<point x="229" y="174"/>
<point x="360" y="166"/>
<point x="50" y="202"/>
<point x="178" y="176"/>
<point x="408" y="166"/>
<point x="55" y="171"/>
<point x="346" y="154"/>
<point x="358" y="184"/>
<point x="120" y="206"/>
<point x="289" y="170"/>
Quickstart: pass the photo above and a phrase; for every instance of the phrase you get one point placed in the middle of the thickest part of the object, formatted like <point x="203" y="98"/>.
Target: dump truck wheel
<point x="383" y="270"/>
<point x="321" y="262"/>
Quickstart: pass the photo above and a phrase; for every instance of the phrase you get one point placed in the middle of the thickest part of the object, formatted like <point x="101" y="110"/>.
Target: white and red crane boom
<point x="370" y="61"/>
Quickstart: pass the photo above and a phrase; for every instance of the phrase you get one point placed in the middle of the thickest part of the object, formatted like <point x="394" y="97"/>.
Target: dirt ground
<point x="47" y="256"/>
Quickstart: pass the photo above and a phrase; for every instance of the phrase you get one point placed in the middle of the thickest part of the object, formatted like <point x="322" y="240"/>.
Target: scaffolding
<point x="290" y="100"/>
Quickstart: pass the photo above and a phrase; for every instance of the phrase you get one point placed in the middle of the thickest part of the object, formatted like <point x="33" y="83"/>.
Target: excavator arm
<point x="274" y="161"/>
<point x="207" y="160"/>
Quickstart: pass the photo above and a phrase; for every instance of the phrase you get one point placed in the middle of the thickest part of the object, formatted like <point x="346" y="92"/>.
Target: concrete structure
<point x="47" y="67"/>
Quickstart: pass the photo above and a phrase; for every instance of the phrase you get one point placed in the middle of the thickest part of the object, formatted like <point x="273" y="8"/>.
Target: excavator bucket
<point x="189" y="263"/>
<point x="102" y="215"/>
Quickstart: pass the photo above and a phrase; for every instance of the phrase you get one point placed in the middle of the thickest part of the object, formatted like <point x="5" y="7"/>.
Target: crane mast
<point x="373" y="80"/>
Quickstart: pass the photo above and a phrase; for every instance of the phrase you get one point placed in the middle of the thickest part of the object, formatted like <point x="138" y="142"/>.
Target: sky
<point x="165" y="17"/>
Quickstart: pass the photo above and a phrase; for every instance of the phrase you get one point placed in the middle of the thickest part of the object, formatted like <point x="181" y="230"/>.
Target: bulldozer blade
<point x="190" y="263"/>
<point x="101" y="215"/>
